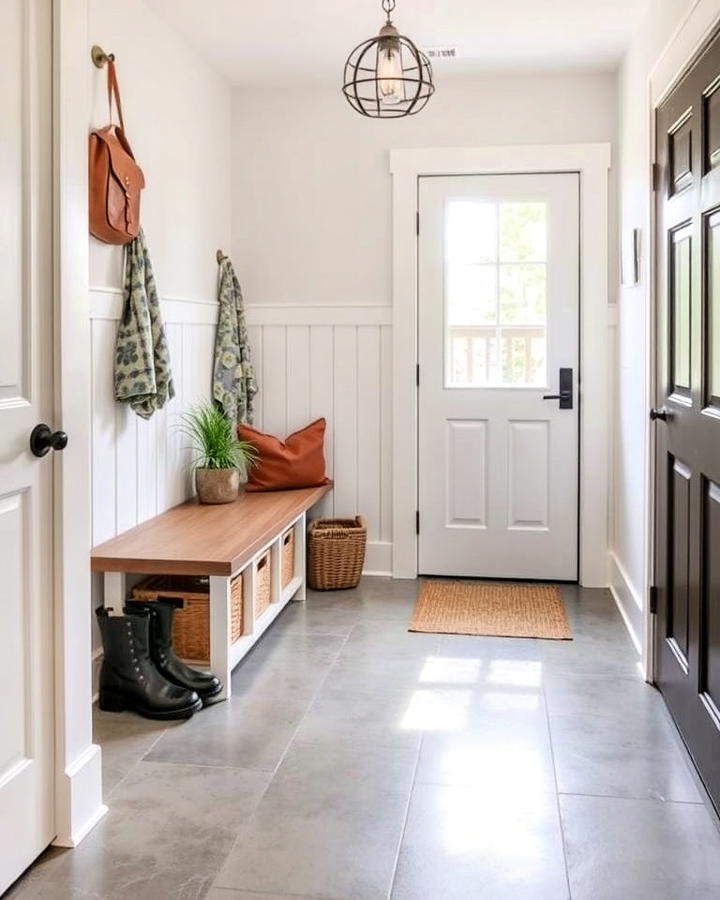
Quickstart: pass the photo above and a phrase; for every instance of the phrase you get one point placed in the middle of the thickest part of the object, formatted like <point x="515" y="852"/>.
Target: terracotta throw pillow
<point x="297" y="462"/>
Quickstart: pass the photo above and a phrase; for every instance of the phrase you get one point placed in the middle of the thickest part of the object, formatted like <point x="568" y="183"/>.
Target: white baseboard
<point x="627" y="599"/>
<point x="378" y="558"/>
<point x="79" y="798"/>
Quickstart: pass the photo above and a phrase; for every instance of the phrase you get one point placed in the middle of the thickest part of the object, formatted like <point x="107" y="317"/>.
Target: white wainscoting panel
<point x="334" y="362"/>
<point x="310" y="362"/>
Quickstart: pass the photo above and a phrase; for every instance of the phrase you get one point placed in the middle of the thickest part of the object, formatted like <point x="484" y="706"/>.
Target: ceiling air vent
<point x="441" y="52"/>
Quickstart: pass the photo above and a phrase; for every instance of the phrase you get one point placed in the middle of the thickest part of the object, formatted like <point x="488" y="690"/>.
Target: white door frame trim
<point x="78" y="784"/>
<point x="592" y="162"/>
<point x="688" y="39"/>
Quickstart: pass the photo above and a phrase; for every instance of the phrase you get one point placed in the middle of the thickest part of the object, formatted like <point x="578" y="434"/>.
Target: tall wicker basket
<point x="336" y="553"/>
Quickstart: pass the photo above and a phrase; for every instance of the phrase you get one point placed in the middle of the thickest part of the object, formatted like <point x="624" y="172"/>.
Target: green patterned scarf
<point x="142" y="360"/>
<point x="234" y="383"/>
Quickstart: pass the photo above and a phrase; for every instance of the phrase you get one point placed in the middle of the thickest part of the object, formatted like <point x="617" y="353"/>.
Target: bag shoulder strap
<point x="114" y="92"/>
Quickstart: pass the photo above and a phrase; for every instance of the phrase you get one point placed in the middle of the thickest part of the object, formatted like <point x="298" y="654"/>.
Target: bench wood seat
<point x="219" y="542"/>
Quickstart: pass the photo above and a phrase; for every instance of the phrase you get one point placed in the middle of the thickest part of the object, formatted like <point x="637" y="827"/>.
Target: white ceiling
<point x="276" y="40"/>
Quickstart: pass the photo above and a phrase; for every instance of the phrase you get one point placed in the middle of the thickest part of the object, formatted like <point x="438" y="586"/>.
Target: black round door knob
<point x="661" y="414"/>
<point x="43" y="440"/>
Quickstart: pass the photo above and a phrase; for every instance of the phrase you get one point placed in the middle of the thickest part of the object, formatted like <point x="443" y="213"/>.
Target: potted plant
<point x="218" y="455"/>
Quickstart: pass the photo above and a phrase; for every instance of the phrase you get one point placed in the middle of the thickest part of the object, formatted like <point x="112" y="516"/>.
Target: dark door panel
<point x="687" y="489"/>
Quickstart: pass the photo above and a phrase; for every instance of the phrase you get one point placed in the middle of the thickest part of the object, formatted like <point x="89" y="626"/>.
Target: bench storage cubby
<point x="235" y="567"/>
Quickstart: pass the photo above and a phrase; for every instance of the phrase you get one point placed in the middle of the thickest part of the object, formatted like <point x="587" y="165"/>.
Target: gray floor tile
<point x="125" y="738"/>
<point x="360" y="717"/>
<point x="571" y="693"/>
<point x="588" y="655"/>
<point x="230" y="894"/>
<point x="482" y="647"/>
<point x="166" y="835"/>
<point x="620" y="757"/>
<point x="506" y="754"/>
<point x="462" y="843"/>
<point x="329" y="825"/>
<point x="373" y="638"/>
<point x="299" y="786"/>
<point x="311" y="618"/>
<point x="222" y="735"/>
<point x="639" y="849"/>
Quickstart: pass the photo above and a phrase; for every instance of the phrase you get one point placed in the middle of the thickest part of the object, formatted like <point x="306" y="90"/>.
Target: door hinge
<point x="417" y="375"/>
<point x="653" y="600"/>
<point x="417" y="521"/>
<point x="417" y="222"/>
<point x="655" y="176"/>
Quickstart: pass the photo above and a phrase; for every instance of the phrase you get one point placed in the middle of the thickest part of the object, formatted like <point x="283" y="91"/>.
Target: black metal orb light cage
<point x="387" y="77"/>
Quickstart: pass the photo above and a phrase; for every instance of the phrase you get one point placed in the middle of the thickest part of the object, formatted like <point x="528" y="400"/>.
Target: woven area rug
<point x="491" y="608"/>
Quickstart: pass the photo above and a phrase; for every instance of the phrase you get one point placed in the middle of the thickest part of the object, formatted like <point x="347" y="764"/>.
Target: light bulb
<point x="389" y="73"/>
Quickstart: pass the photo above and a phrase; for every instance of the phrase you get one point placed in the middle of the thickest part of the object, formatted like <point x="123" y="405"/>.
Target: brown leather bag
<point x="115" y="178"/>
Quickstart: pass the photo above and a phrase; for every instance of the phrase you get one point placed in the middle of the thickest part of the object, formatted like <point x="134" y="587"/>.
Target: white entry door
<point x="26" y="359"/>
<point x="498" y="331"/>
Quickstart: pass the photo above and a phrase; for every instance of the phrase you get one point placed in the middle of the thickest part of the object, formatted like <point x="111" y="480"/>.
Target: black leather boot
<point x="162" y="612"/>
<point x="128" y="676"/>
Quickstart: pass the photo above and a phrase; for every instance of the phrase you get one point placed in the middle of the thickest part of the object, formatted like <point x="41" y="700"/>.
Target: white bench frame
<point x="224" y="655"/>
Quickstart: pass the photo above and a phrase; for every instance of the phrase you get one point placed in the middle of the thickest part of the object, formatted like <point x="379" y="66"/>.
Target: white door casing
<point x="591" y="162"/>
<point x="27" y="814"/>
<point x="498" y="315"/>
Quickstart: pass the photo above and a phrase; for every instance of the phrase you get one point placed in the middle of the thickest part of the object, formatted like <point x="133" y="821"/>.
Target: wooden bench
<point x="219" y="542"/>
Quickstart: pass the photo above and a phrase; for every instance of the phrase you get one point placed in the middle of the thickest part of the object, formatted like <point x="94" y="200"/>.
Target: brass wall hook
<point x="100" y="57"/>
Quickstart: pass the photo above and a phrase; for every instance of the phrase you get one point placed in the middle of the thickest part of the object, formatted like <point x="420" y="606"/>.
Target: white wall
<point x="628" y="532"/>
<point x="312" y="204"/>
<point x="178" y="116"/>
<point x="312" y="244"/>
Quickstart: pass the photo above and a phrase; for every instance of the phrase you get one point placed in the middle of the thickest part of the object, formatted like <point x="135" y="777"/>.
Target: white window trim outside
<point x="591" y="162"/>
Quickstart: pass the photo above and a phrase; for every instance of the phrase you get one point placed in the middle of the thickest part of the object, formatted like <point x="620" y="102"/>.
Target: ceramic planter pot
<point x="217" y="485"/>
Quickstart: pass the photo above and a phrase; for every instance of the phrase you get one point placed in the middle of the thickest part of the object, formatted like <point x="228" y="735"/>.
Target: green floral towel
<point x="234" y="383"/>
<point x="142" y="360"/>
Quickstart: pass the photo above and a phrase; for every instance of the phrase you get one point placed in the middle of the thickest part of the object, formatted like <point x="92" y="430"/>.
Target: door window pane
<point x="495" y="294"/>
<point x="523" y="356"/>
<point x="714" y="310"/>
<point x="681" y="313"/>
<point x="523" y="232"/>
<point x="522" y="294"/>
<point x="472" y="294"/>
<point x="471" y="232"/>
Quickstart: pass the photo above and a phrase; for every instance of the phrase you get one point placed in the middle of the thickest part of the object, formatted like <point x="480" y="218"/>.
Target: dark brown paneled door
<point x="687" y="545"/>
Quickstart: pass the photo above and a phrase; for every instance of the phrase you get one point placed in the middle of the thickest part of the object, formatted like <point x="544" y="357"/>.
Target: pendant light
<point x="387" y="77"/>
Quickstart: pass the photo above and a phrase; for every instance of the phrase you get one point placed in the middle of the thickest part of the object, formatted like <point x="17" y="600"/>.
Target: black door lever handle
<point x="565" y="394"/>
<point x="661" y="414"/>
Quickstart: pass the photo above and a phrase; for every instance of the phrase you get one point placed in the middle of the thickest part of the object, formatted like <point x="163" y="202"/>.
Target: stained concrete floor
<point x="357" y="761"/>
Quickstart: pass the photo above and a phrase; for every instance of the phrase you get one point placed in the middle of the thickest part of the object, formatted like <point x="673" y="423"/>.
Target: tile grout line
<point x="406" y="816"/>
<point x="136" y="763"/>
<point x="409" y="801"/>
<point x="557" y="793"/>
<point x="280" y="761"/>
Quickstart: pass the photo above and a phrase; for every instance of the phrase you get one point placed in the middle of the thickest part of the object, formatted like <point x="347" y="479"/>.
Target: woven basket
<point x="263" y="583"/>
<point x="288" y="556"/>
<point x="191" y="627"/>
<point x="336" y="553"/>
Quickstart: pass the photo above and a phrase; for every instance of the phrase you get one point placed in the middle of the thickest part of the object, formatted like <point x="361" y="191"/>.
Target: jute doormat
<point x="491" y="608"/>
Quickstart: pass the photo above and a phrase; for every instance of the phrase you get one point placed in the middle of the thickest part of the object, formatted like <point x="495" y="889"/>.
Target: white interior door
<point x="498" y="319"/>
<point x="26" y="563"/>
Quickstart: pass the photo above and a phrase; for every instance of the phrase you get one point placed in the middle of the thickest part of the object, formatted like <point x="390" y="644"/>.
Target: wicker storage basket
<point x="263" y="582"/>
<point x="288" y="556"/>
<point x="191" y="628"/>
<point x="336" y="553"/>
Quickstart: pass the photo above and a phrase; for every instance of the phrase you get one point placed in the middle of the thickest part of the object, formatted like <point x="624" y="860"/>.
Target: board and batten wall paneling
<point x="310" y="362"/>
<point x="334" y="362"/>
